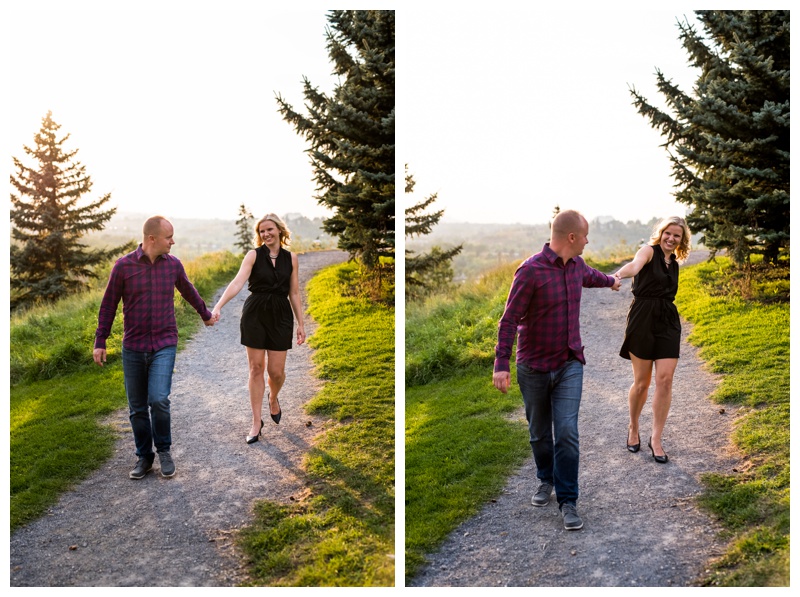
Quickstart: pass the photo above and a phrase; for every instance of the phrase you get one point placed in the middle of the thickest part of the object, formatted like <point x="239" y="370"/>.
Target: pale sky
<point x="172" y="109"/>
<point x="516" y="110"/>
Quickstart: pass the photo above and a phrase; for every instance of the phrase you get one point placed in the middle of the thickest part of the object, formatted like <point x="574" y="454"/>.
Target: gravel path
<point x="112" y="531"/>
<point x="642" y="526"/>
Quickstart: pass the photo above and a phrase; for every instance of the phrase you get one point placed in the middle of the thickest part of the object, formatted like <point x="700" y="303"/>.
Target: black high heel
<point x="634" y="447"/>
<point x="660" y="459"/>
<point x="251" y="439"/>
<point x="276" y="418"/>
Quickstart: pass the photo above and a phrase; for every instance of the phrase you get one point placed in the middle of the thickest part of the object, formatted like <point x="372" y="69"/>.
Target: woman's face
<point x="671" y="238"/>
<point x="269" y="232"/>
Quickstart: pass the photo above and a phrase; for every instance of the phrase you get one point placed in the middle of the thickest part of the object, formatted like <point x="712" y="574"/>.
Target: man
<point x="145" y="281"/>
<point x="543" y="308"/>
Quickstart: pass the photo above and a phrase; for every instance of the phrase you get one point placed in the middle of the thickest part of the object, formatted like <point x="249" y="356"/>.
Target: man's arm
<point x="519" y="299"/>
<point x="191" y="296"/>
<point x="107" y="313"/>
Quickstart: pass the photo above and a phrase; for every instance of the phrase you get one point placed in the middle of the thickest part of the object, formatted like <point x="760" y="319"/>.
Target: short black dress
<point x="654" y="326"/>
<point x="267" y="320"/>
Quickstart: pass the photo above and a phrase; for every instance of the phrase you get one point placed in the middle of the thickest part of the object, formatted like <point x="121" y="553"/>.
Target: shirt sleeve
<point x="593" y="278"/>
<point x="108" y="306"/>
<point x="519" y="299"/>
<point x="190" y="294"/>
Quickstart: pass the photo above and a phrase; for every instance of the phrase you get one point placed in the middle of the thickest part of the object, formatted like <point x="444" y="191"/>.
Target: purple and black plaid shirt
<point x="148" y="308"/>
<point x="543" y="307"/>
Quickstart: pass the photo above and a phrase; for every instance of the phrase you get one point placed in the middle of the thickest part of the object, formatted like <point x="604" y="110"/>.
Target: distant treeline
<point x="194" y="237"/>
<point x="488" y="245"/>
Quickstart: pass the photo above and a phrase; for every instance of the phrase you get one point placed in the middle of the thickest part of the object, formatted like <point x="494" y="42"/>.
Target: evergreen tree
<point x="731" y="138"/>
<point x="426" y="272"/>
<point x="47" y="261"/>
<point x="351" y="133"/>
<point x="245" y="233"/>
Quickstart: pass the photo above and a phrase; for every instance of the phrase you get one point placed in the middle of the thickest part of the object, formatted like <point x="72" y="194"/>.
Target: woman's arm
<point x="642" y="258"/>
<point x="236" y="284"/>
<point x="294" y="300"/>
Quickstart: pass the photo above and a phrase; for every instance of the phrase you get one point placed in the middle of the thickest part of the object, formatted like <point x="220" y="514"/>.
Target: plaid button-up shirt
<point x="147" y="291"/>
<point x="543" y="309"/>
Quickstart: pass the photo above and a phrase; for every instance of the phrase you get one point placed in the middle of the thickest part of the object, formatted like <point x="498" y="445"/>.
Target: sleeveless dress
<point x="267" y="320"/>
<point x="653" y="330"/>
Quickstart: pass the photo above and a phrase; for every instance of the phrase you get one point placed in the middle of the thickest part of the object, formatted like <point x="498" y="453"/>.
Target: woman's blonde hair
<point x="285" y="233"/>
<point x="683" y="249"/>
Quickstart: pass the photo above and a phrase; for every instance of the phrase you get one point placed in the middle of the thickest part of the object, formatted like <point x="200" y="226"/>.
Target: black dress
<point x="654" y="327"/>
<point x="267" y="319"/>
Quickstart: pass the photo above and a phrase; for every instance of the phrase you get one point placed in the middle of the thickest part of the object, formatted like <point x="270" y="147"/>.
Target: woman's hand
<point x="301" y="335"/>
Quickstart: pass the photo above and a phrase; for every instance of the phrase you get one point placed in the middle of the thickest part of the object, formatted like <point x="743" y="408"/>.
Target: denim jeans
<point x="551" y="401"/>
<point x="148" y="382"/>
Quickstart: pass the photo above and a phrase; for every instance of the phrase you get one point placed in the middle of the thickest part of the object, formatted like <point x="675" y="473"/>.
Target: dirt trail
<point x="642" y="526"/>
<point x="112" y="531"/>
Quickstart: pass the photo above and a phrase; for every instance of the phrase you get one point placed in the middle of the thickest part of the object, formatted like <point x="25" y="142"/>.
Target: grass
<point x="747" y="343"/>
<point x="342" y="532"/>
<point x="59" y="397"/>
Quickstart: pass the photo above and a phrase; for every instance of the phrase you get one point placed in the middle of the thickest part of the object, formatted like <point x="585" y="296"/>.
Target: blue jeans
<point x="551" y="401"/>
<point x="148" y="382"/>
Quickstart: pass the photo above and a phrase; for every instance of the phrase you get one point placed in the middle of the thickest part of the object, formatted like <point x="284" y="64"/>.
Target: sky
<point x="172" y="109"/>
<point x="516" y="111"/>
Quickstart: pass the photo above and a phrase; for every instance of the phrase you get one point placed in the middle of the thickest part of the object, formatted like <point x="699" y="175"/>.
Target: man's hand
<point x="617" y="282"/>
<point x="99" y="356"/>
<point x="502" y="381"/>
<point x="209" y="322"/>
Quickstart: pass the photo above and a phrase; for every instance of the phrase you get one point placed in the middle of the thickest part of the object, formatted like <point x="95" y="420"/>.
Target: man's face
<point x="163" y="241"/>
<point x="581" y="239"/>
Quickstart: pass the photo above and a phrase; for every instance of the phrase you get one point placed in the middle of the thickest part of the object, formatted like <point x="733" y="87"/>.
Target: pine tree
<point x="427" y="272"/>
<point x="731" y="138"/>
<point x="351" y="133"/>
<point x="47" y="261"/>
<point x="245" y="233"/>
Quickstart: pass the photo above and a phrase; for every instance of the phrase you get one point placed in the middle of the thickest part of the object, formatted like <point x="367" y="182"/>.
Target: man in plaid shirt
<point x="543" y="313"/>
<point x="145" y="281"/>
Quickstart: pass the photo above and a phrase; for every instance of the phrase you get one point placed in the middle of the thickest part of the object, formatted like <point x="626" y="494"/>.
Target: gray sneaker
<point x="143" y="466"/>
<point x="542" y="495"/>
<point x="167" y="466"/>
<point x="572" y="522"/>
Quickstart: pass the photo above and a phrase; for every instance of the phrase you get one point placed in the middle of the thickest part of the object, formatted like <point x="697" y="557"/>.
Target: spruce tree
<point x="245" y="233"/>
<point x="426" y="273"/>
<point x="351" y="133"/>
<point x="729" y="140"/>
<point x="48" y="219"/>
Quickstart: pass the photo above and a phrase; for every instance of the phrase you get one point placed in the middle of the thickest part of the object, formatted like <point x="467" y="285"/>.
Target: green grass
<point x="59" y="397"/>
<point x="342" y="532"/>
<point x="747" y="343"/>
<point x="461" y="445"/>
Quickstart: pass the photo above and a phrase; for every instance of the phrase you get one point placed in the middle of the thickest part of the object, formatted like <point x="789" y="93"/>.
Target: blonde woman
<point x="266" y="325"/>
<point x="653" y="331"/>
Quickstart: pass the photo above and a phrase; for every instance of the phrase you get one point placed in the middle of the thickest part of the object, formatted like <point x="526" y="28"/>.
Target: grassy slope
<point x="342" y="533"/>
<point x="59" y="396"/>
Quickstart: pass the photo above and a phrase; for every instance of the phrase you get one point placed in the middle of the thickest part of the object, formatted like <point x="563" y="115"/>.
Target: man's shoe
<point x="142" y="467"/>
<point x="542" y="495"/>
<point x="572" y="522"/>
<point x="167" y="466"/>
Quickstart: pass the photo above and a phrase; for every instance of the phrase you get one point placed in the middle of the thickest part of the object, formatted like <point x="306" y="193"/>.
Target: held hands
<point x="617" y="282"/>
<point x="502" y="381"/>
<point x="214" y="318"/>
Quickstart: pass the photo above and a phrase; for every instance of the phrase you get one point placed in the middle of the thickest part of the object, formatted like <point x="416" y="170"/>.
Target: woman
<point x="266" y="324"/>
<point x="653" y="332"/>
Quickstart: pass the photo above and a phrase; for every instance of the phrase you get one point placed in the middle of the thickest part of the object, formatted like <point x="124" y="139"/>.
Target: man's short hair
<point x="153" y="225"/>
<point x="567" y="221"/>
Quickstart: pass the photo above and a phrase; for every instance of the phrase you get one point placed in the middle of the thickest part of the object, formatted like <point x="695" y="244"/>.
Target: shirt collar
<point x="141" y="255"/>
<point x="551" y="255"/>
